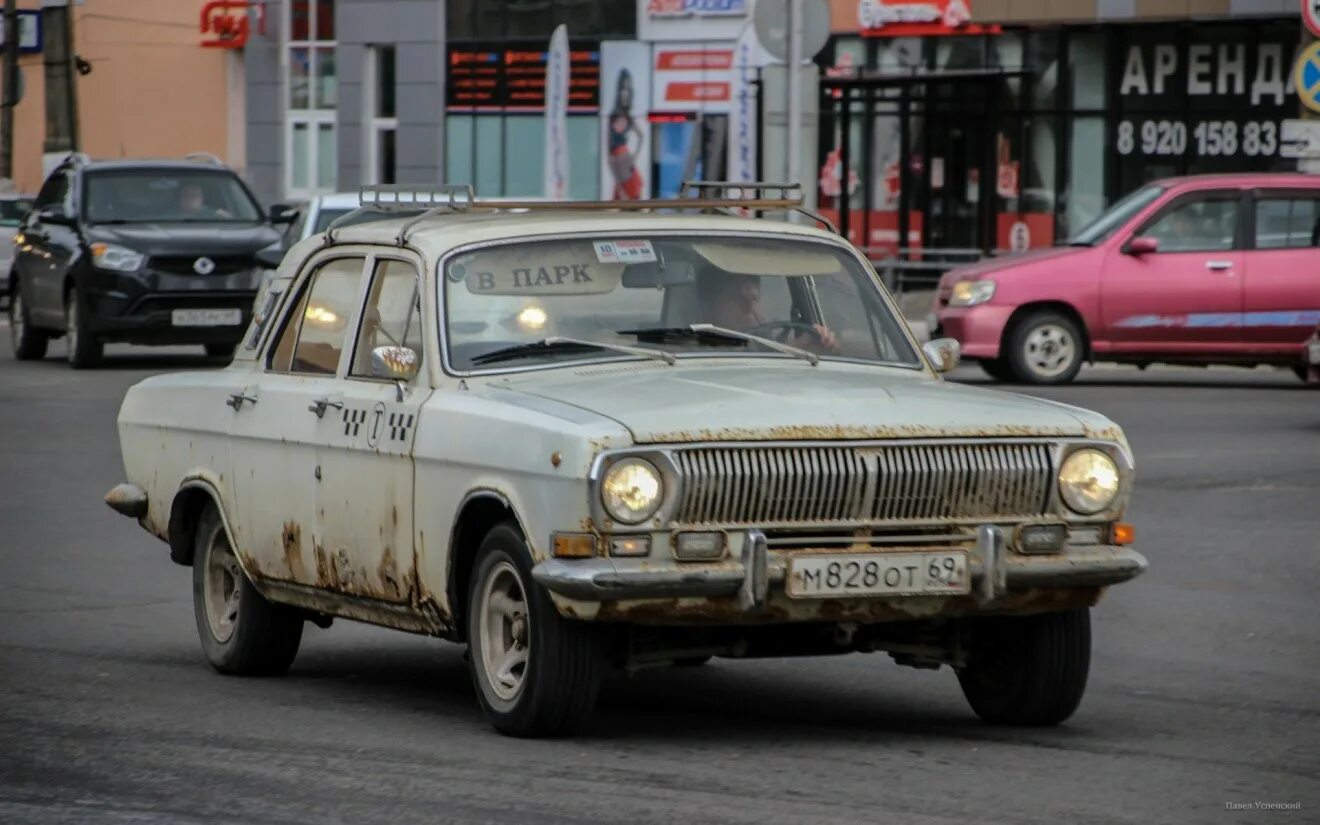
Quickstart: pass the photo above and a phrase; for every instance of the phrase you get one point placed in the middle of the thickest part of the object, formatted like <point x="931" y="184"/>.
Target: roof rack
<point x="205" y="157"/>
<point x="724" y="196"/>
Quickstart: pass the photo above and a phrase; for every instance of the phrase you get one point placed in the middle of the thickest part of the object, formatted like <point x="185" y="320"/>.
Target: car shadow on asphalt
<point x="148" y="362"/>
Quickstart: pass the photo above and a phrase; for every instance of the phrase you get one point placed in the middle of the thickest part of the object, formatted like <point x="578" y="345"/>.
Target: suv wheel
<point x="1045" y="348"/>
<point x="84" y="349"/>
<point x="29" y="342"/>
<point x="535" y="673"/>
<point x="241" y="632"/>
<point x="1028" y="670"/>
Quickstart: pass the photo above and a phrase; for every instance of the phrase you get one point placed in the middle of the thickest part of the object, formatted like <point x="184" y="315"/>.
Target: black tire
<point x="225" y="351"/>
<point x="1028" y="670"/>
<point x="28" y="342"/>
<point x="1304" y="373"/>
<point x="1029" y="357"/>
<point x="997" y="368"/>
<point x="563" y="661"/>
<point x="692" y="661"/>
<point x="262" y="637"/>
<point x="84" y="349"/>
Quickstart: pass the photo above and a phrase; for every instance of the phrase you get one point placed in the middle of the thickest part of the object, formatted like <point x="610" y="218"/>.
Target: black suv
<point x="142" y="252"/>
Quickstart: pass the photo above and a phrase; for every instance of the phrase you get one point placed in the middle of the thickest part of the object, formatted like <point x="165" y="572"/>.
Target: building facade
<point x="1006" y="124"/>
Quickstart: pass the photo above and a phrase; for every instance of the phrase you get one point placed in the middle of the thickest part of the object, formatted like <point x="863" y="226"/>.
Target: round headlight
<point x="631" y="491"/>
<point x="1088" y="481"/>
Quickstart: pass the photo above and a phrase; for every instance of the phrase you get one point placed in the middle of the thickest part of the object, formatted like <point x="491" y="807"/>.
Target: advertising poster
<point x="625" y="77"/>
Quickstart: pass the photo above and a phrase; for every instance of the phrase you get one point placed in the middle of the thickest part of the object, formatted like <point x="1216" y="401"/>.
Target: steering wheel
<point x="780" y="330"/>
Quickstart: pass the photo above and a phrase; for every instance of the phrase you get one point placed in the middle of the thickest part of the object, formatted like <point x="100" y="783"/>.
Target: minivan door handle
<point x="1218" y="266"/>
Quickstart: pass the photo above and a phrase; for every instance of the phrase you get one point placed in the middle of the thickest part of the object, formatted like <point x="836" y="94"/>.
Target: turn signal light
<point x="630" y="546"/>
<point x="1124" y="533"/>
<point x="573" y="545"/>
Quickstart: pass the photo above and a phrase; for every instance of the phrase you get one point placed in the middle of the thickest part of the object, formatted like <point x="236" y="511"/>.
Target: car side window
<point x="393" y="315"/>
<point x="1197" y="225"/>
<point x="54" y="192"/>
<point x="1287" y="222"/>
<point x="316" y="330"/>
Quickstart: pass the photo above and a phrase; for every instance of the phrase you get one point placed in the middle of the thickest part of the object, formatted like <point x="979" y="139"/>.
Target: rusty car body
<point x="421" y="430"/>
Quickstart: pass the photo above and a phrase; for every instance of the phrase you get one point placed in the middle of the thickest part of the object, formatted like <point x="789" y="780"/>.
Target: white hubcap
<point x="1050" y="350"/>
<point x="221" y="587"/>
<point x="505" y="631"/>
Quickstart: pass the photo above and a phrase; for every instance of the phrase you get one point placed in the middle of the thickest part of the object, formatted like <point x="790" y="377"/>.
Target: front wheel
<point x="535" y="673"/>
<point x="1045" y="348"/>
<point x="242" y="633"/>
<point x="998" y="369"/>
<point x="1028" y="670"/>
<point x="29" y="342"/>
<point x="84" y="350"/>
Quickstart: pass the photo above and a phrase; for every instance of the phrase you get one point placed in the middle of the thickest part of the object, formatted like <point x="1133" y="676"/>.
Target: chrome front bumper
<point x="994" y="570"/>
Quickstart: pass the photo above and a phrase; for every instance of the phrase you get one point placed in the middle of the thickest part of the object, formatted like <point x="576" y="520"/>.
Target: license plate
<point x="206" y="317"/>
<point x="820" y="575"/>
<point x="1313" y="352"/>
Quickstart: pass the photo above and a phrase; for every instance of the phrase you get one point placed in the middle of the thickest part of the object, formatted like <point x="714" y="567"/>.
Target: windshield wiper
<point x="711" y="331"/>
<point x="657" y="335"/>
<point x="568" y="345"/>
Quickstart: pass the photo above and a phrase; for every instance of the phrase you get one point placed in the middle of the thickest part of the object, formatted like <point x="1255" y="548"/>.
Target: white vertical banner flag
<point x="742" y="107"/>
<point x="556" y="116"/>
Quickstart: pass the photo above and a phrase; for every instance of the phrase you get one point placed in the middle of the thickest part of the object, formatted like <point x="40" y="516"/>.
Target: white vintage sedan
<point x="578" y="438"/>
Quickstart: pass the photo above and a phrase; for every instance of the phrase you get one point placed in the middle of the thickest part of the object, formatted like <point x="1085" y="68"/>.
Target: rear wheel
<point x="535" y="673"/>
<point x="1046" y="347"/>
<point x="1028" y="670"/>
<point x="29" y="342"/>
<point x="84" y="350"/>
<point x="242" y="633"/>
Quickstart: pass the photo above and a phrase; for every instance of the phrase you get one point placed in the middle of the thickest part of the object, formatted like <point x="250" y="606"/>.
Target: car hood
<point x="188" y="238"/>
<point x="732" y="400"/>
<point x="989" y="266"/>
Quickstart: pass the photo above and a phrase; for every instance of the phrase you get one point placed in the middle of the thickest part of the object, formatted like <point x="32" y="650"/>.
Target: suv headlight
<point x="632" y="491"/>
<point x="1088" y="481"/>
<point x="971" y="293"/>
<point x="116" y="258"/>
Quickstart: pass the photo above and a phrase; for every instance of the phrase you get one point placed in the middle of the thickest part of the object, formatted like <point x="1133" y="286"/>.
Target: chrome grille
<point x="892" y="483"/>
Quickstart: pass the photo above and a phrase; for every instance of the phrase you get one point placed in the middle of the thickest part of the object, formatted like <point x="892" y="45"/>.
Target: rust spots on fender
<point x="388" y="574"/>
<point x="291" y="540"/>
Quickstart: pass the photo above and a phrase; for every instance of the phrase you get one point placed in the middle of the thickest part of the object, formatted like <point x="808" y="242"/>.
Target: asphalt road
<point x="1204" y="691"/>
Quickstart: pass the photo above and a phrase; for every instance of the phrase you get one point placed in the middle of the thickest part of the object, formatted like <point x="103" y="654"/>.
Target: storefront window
<point x="486" y="19"/>
<point x="1084" y="193"/>
<point x="1043" y="60"/>
<point x="1087" y="69"/>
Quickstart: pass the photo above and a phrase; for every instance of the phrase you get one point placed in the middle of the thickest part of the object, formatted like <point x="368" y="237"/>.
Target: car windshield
<point x="1113" y="218"/>
<point x="570" y="300"/>
<point x="167" y="196"/>
<point x="13" y="210"/>
<point x="326" y="217"/>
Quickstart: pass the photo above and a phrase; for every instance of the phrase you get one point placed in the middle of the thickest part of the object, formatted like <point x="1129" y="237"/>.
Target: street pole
<point x="10" y="92"/>
<point x="794" y="88"/>
<point x="71" y="78"/>
<point x="61" y="93"/>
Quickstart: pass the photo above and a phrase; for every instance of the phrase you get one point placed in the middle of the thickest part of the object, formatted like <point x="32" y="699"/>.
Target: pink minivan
<point x="1205" y="270"/>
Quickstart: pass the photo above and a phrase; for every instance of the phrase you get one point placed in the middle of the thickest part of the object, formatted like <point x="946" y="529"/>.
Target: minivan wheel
<point x="1046" y="348"/>
<point x="997" y="368"/>
<point x="84" y="350"/>
<point x="1028" y="670"/>
<point x="29" y="342"/>
<point x="535" y="673"/>
<point x="242" y="633"/>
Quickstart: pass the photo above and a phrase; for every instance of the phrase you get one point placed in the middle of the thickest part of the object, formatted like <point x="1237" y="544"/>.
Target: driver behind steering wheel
<point x="734" y="302"/>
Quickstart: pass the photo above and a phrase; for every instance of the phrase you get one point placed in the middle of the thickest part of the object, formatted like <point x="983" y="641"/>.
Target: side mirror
<point x="943" y="354"/>
<point x="270" y="258"/>
<point x="282" y="213"/>
<point x="394" y="363"/>
<point x="1142" y="246"/>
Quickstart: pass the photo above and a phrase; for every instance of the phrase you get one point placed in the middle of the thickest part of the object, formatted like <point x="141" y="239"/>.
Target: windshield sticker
<point x="624" y="252"/>
<point x="550" y="269"/>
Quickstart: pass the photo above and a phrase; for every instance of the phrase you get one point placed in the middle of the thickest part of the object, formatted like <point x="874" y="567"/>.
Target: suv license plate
<point x="820" y="575"/>
<point x="206" y="317"/>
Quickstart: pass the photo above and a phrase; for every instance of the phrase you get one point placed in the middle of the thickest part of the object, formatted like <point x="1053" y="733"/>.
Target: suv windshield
<point x="167" y="195"/>
<point x="12" y="210"/>
<point x="566" y="300"/>
<point x="1113" y="218"/>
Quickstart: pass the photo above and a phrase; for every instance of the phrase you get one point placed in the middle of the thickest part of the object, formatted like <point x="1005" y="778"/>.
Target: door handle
<point x="236" y="400"/>
<point x="319" y="406"/>
<point x="1218" y="266"/>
